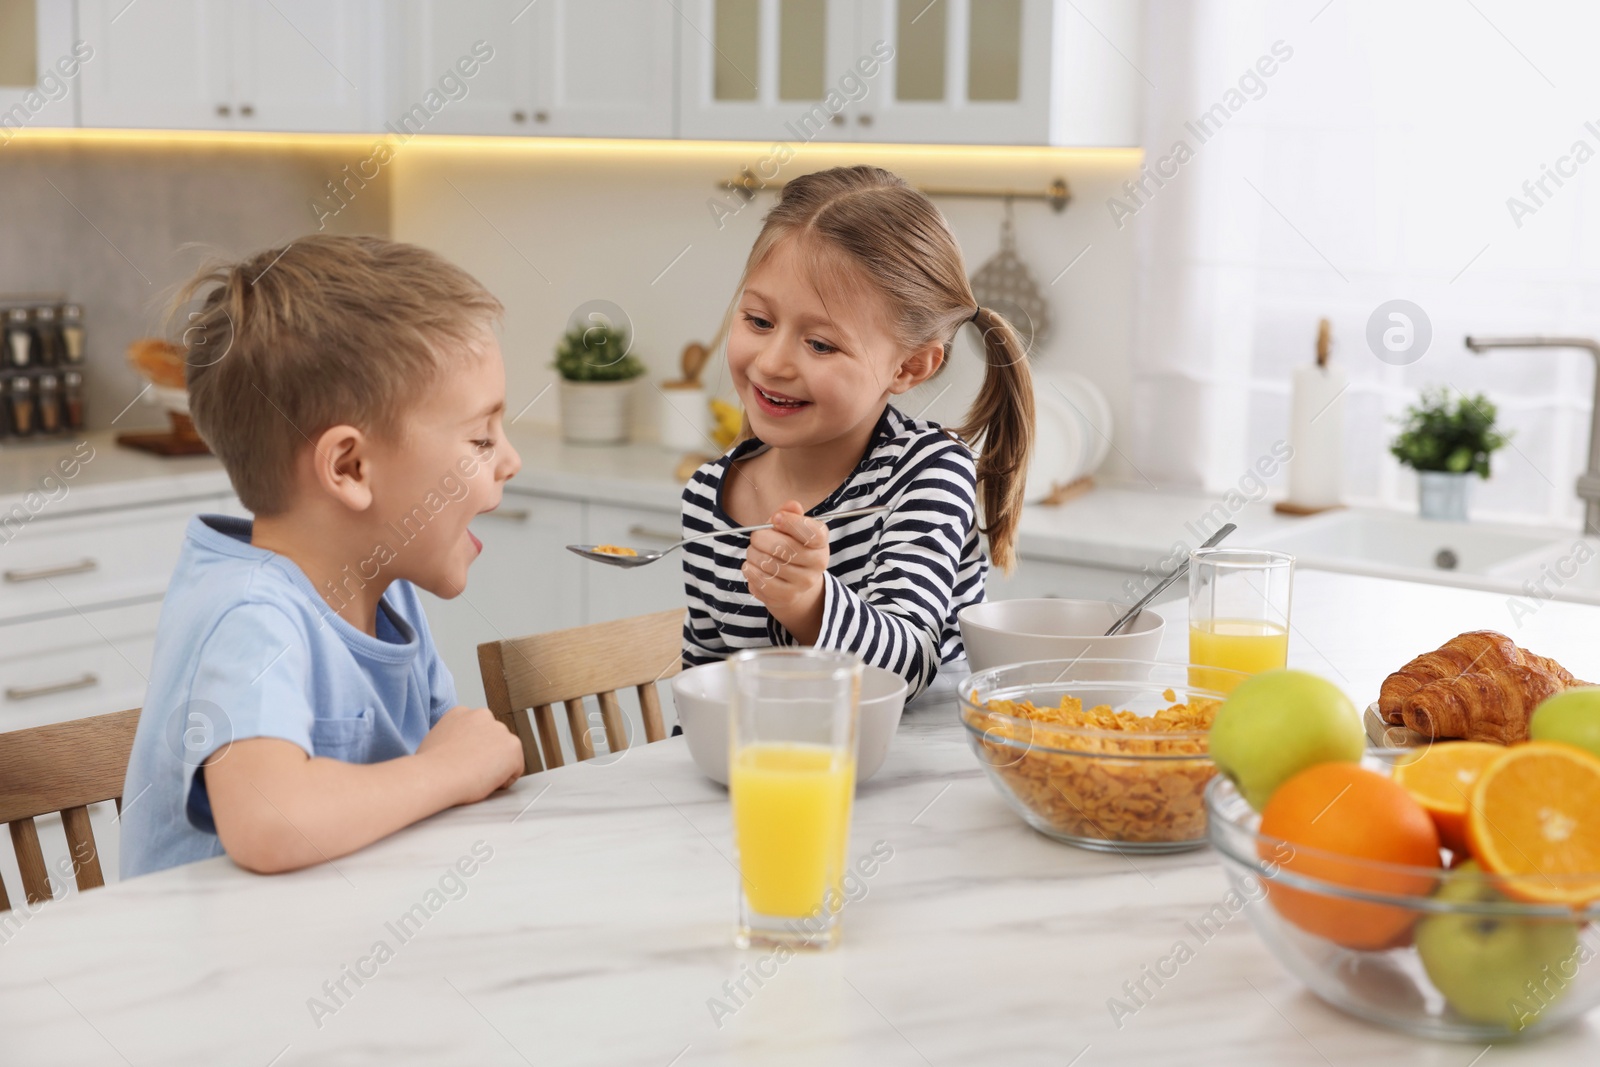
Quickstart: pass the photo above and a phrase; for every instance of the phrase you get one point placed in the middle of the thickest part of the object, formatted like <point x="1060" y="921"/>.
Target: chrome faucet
<point x="1589" y="480"/>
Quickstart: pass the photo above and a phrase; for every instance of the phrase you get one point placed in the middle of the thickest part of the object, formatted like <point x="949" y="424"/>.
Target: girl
<point x="851" y="296"/>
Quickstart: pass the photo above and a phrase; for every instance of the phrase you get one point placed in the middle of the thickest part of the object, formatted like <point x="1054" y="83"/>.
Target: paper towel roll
<point x="684" y="419"/>
<point x="1316" y="432"/>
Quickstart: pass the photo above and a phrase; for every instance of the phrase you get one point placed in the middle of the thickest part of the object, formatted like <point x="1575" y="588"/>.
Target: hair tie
<point x="975" y="313"/>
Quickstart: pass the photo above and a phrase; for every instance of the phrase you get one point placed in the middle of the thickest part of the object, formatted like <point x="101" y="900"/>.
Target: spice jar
<point x="47" y="338"/>
<point x="21" y="405"/>
<point x="19" y="338"/>
<point x="72" y="332"/>
<point x="72" y="398"/>
<point x="50" y="414"/>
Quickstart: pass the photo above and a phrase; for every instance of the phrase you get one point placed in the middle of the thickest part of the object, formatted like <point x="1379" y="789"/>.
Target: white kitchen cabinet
<point x="1035" y="72"/>
<point x="299" y="65"/>
<point x="763" y="70"/>
<point x="966" y="71"/>
<point x="437" y="46"/>
<point x="615" y="592"/>
<point x="39" y="68"/>
<point x="566" y="68"/>
<point x="85" y="663"/>
<point x="525" y="582"/>
<point x="54" y="566"/>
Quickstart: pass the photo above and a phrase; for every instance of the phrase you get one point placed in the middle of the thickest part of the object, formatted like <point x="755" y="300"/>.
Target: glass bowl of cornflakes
<point x="1105" y="754"/>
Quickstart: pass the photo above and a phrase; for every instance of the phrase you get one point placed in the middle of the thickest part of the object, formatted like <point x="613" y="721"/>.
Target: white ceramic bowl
<point x="998" y="632"/>
<point x="701" y="697"/>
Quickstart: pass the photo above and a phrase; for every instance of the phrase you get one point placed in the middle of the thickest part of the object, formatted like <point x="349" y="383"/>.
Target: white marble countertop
<point x="598" y="930"/>
<point x="1123" y="527"/>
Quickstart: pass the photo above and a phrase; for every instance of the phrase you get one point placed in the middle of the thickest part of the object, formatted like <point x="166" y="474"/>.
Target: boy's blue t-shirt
<point x="246" y="647"/>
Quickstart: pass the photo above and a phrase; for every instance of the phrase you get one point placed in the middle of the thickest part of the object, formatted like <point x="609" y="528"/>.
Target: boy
<point x="297" y="711"/>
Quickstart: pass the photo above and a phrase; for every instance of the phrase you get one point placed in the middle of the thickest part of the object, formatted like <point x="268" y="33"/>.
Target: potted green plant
<point x="597" y="378"/>
<point x="1446" y="442"/>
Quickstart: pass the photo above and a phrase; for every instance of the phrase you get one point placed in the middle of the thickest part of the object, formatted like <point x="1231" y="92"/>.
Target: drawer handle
<point x="83" y="566"/>
<point x="28" y="692"/>
<point x="648" y="534"/>
<point x="509" y="514"/>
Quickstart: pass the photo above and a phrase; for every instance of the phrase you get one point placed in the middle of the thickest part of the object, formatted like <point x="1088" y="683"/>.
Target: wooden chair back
<point x="525" y="677"/>
<point x="61" y="768"/>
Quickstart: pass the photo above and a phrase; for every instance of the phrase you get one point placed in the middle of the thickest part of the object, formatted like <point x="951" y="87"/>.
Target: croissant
<point x="1478" y="650"/>
<point x="1481" y="705"/>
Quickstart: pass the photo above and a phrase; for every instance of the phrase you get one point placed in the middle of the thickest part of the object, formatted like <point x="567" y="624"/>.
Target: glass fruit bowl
<point x="1129" y="778"/>
<point x="1429" y="951"/>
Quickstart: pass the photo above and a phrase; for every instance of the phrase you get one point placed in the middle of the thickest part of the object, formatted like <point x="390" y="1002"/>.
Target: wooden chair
<point x="61" y="768"/>
<point x="524" y="677"/>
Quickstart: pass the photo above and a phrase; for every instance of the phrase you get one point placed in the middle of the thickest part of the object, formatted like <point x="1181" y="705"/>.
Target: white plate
<point x="1089" y="407"/>
<point x="1058" y="445"/>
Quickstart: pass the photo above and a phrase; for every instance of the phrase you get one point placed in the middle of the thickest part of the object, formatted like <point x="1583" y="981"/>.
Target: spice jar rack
<point x="41" y="367"/>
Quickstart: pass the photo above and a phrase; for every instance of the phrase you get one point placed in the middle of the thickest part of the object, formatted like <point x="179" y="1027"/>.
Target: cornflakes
<point x="1121" y="780"/>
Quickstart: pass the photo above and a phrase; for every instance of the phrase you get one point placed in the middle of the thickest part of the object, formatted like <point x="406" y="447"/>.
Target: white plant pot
<point x="1443" y="494"/>
<point x="596" y="413"/>
<point x="685" y="418"/>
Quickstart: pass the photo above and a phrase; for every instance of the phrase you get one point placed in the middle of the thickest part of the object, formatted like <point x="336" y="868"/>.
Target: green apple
<point x="1495" y="969"/>
<point x="1276" y="724"/>
<point x="1571" y="717"/>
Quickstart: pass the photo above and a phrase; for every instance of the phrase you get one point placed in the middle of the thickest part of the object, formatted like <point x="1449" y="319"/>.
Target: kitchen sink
<point x="1404" y="546"/>
<point x="1566" y="570"/>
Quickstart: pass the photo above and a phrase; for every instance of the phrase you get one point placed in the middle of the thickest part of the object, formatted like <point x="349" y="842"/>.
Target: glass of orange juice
<point x="791" y="777"/>
<point x="1238" y="614"/>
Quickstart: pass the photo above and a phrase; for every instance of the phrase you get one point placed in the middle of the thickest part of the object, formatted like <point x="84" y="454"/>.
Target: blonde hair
<point x="903" y="247"/>
<point x="324" y="331"/>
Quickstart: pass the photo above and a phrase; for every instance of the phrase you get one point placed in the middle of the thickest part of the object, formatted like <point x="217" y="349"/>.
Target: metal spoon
<point x="650" y="556"/>
<point x="1177" y="572"/>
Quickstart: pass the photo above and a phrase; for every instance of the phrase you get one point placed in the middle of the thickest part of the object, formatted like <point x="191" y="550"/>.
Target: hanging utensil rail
<point x="1056" y="194"/>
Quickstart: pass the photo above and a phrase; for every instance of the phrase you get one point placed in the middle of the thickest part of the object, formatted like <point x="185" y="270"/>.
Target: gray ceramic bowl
<point x="701" y="697"/>
<point x="998" y="632"/>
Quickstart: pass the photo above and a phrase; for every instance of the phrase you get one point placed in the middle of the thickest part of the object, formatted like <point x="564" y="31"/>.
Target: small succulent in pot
<point x="1456" y="437"/>
<point x="597" y="353"/>
<point x="598" y="373"/>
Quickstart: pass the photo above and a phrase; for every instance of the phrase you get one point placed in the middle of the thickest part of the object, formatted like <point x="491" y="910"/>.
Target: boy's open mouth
<point x="477" y="544"/>
<point x="777" y="402"/>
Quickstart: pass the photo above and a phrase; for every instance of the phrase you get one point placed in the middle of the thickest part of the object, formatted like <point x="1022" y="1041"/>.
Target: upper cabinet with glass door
<point x="567" y="68"/>
<point x="40" y="65"/>
<point x="1029" y="72"/>
<point x="772" y="70"/>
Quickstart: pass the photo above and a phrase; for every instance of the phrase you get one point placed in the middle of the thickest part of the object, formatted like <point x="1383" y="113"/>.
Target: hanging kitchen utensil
<point x="1005" y="284"/>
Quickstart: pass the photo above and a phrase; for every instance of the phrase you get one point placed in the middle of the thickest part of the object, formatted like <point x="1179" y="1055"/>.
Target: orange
<point x="1440" y="777"/>
<point x="1535" y="818"/>
<point x="1335" y="810"/>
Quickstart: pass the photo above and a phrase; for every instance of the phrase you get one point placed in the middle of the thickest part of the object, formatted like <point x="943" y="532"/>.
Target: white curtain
<point x="1325" y="158"/>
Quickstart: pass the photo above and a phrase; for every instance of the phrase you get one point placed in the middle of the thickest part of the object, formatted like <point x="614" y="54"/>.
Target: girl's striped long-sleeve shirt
<point x="896" y="579"/>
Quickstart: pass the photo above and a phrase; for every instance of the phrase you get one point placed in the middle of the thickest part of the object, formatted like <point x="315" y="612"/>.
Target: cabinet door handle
<point x="83" y="566"/>
<point x="224" y="110"/>
<point x="648" y="534"/>
<point x="27" y="692"/>
<point x="541" y="116"/>
<point x="865" y="120"/>
<point x="247" y="110"/>
<point x="519" y="116"/>
<point x="509" y="514"/>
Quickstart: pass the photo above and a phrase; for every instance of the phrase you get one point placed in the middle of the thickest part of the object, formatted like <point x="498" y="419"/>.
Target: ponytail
<point x="1000" y="426"/>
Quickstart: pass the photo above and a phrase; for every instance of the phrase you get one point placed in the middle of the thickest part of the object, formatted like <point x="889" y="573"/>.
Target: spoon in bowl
<point x="1177" y="572"/>
<point x="637" y="558"/>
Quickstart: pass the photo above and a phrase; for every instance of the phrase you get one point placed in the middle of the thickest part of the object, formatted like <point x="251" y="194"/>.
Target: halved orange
<point x="1534" y="818"/>
<point x="1440" y="777"/>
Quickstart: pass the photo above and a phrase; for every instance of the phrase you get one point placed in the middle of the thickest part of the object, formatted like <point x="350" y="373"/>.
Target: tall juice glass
<point x="791" y="777"/>
<point x="1238" y="614"/>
